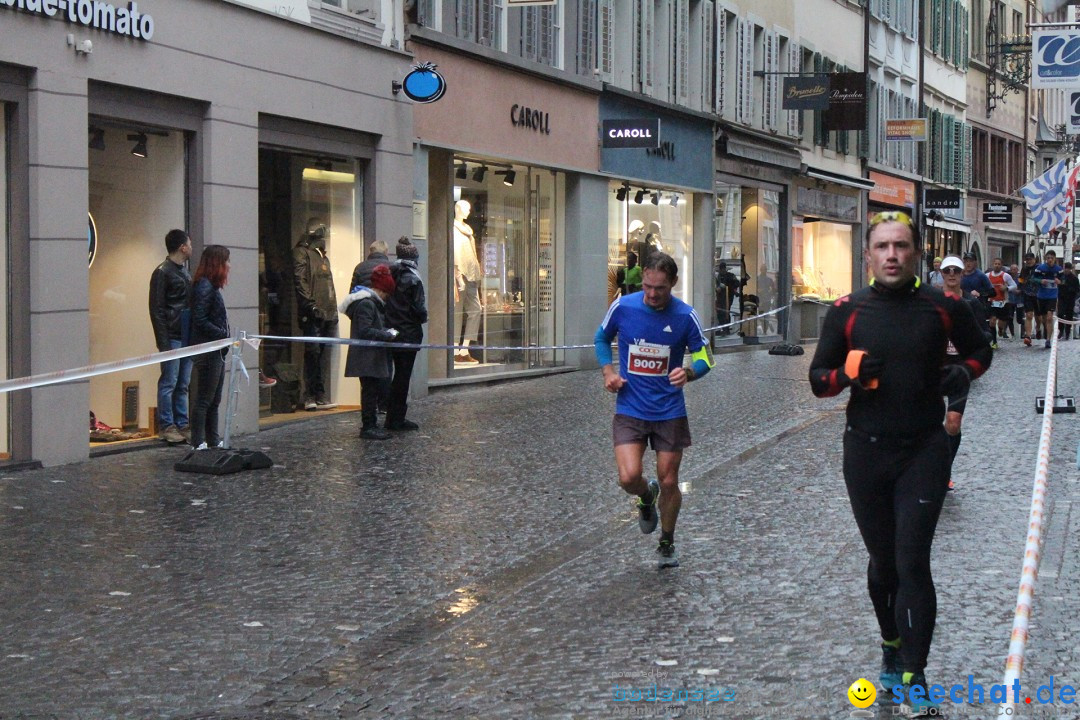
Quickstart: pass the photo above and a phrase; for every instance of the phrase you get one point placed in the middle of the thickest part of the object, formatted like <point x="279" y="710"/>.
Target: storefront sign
<point x="937" y="199"/>
<point x="632" y="133"/>
<point x="911" y="129"/>
<point x="847" y="102"/>
<point x="997" y="212"/>
<point x="1055" y="59"/>
<point x="1073" y="128"/>
<point x="126" y="21"/>
<point x="424" y="84"/>
<point x="530" y="119"/>
<point x="889" y="190"/>
<point x="820" y="203"/>
<point x="564" y="139"/>
<point x="666" y="151"/>
<point x="806" y="93"/>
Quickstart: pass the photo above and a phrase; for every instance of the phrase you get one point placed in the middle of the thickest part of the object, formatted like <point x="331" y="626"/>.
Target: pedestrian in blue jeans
<point x="209" y="322"/>
<point x="170" y="285"/>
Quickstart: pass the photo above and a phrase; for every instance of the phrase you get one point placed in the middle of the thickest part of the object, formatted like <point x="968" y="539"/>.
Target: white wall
<point x="134" y="201"/>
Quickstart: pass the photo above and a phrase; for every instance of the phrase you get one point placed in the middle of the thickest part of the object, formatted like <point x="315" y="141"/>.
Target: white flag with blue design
<point x="1049" y="197"/>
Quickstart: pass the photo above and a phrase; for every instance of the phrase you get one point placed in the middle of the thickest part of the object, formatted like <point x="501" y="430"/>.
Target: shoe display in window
<point x="266" y="382"/>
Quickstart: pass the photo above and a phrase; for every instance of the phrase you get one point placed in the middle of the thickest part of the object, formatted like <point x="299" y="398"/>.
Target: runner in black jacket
<point x="896" y="456"/>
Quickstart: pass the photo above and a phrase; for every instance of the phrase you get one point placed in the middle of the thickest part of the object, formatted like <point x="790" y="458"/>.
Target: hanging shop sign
<point x="847" y="102"/>
<point x="900" y="129"/>
<point x="1055" y="59"/>
<point x="806" y="93"/>
<point x="1073" y="128"/>
<point x="941" y="199"/>
<point x="123" y="20"/>
<point x="631" y="133"/>
<point x="821" y="203"/>
<point x="92" y="236"/>
<point x="424" y="84"/>
<point x="997" y="212"/>
<point x="530" y="119"/>
<point x="889" y="190"/>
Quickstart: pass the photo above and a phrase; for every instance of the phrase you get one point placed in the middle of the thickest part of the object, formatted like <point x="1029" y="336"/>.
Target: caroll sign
<point x="1055" y="58"/>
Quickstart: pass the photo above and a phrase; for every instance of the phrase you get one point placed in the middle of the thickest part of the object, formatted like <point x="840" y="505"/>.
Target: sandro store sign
<point x="126" y="21"/>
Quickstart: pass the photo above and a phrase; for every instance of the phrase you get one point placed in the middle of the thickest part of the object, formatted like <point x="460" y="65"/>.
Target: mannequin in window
<point x="635" y="238"/>
<point x="653" y="241"/>
<point x="316" y="307"/>
<point x="467" y="307"/>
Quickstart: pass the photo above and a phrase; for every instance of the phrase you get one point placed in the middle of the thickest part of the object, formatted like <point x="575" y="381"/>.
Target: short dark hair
<point x="662" y="262"/>
<point x="1051" y="252"/>
<point x="174" y="240"/>
<point x="916" y="236"/>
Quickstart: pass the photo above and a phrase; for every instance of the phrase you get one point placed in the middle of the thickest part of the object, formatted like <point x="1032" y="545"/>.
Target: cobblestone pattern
<point x="490" y="566"/>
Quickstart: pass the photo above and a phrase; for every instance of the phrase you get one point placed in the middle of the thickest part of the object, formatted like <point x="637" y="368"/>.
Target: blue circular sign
<point x="424" y="84"/>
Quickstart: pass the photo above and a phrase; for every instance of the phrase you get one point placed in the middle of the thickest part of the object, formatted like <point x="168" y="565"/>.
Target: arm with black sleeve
<point x="827" y="376"/>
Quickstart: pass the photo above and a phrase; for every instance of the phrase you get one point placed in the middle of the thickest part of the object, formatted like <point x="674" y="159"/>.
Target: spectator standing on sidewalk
<point x="896" y="453"/>
<point x="170" y="287"/>
<point x="366" y="308"/>
<point x="316" y="307"/>
<point x="1067" y="293"/>
<point x="376" y="256"/>
<point x="209" y="321"/>
<point x="406" y="312"/>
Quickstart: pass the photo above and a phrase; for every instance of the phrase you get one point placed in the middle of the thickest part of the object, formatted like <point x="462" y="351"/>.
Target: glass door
<point x="542" y="217"/>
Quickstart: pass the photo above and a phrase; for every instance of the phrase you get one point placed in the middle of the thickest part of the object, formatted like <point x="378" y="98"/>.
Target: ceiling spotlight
<point x="620" y="194"/>
<point x="656" y="198"/>
<point x="479" y="172"/>
<point x="139" y="150"/>
<point x="639" y="196"/>
<point x="674" y="201"/>
<point x="97" y="138"/>
<point x="508" y="177"/>
<point x="461" y="171"/>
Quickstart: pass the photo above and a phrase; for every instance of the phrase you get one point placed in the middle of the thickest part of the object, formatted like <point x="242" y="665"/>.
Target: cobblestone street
<point x="489" y="565"/>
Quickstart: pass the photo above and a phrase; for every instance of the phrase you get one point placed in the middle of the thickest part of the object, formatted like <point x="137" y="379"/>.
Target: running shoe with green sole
<point x="648" y="517"/>
<point x="666" y="555"/>
<point x="891" y="675"/>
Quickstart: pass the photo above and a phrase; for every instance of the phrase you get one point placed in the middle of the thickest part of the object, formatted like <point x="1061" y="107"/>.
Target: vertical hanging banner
<point x="847" y="102"/>
<point x="1055" y="59"/>
<point x="1074" y="113"/>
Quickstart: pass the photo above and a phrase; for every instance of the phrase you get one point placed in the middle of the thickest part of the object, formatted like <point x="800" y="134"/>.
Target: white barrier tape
<point x="429" y="346"/>
<point x="1067" y="322"/>
<point x="62" y="376"/>
<point x="1014" y="663"/>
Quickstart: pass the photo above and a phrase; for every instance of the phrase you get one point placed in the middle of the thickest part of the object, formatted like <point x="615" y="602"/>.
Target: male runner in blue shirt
<point x="654" y="330"/>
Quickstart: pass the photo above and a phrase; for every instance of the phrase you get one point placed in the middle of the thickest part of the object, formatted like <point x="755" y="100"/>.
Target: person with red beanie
<point x="366" y="308"/>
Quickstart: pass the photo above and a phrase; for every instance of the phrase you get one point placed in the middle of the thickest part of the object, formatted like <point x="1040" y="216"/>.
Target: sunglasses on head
<point x="951" y="271"/>
<point x="891" y="216"/>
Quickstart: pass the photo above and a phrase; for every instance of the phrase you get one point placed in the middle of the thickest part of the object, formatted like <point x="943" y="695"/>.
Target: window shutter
<point x="487" y="32"/>
<point x="545" y="28"/>
<point x="466" y="19"/>
<point x="722" y="60"/>
<point x="875" y="8"/>
<point x="605" y="39"/>
<point x="708" y="51"/>
<point x="746" y="72"/>
<point x="965" y="55"/>
<point x="794" y="66"/>
<point x="646" y="22"/>
<point x="820" y="136"/>
<point x="681" y="56"/>
<point x="768" y="102"/>
<point x="585" y="61"/>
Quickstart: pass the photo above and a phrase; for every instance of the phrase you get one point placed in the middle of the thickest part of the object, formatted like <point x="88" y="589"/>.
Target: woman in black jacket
<point x="406" y="312"/>
<point x="366" y="307"/>
<point x="209" y="322"/>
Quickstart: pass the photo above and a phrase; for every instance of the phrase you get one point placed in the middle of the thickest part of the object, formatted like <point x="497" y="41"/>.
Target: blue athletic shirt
<point x="651" y="344"/>
<point x="1044" y="275"/>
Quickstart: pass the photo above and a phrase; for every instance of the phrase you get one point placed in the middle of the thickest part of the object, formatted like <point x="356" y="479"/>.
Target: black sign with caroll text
<point x="806" y="93"/>
<point x="631" y="133"/>
<point x="941" y="199"/>
<point x="847" y="102"/>
<point x="997" y="212"/>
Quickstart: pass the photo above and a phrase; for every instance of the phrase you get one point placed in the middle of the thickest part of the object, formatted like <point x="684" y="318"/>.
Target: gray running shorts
<point x="662" y="435"/>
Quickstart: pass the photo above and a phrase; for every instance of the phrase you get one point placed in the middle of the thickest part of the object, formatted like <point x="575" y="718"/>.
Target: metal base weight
<point x="219" y="461"/>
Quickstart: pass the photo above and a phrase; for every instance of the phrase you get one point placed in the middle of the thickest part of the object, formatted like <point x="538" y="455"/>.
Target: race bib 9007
<point x="648" y="359"/>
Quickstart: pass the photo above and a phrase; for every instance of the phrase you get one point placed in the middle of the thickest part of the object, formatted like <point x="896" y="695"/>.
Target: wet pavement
<point x="489" y="566"/>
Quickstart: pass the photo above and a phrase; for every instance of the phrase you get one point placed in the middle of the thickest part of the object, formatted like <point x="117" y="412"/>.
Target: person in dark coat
<point x="209" y="322"/>
<point x="1067" y="293"/>
<point x="366" y="308"/>
<point x="406" y="312"/>
<point x="361" y="274"/>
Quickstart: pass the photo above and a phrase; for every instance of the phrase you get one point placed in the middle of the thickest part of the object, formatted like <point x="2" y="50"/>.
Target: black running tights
<point x="896" y="495"/>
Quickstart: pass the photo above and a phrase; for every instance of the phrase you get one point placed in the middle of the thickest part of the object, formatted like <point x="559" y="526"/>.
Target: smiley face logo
<point x="861" y="693"/>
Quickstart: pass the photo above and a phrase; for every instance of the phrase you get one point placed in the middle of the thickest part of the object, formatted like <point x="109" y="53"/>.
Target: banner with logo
<point x="847" y="102"/>
<point x="806" y="93"/>
<point x="1055" y="59"/>
<point x="1073" y="126"/>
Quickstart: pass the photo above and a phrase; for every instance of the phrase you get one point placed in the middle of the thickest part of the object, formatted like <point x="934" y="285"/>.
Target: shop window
<point x="137" y="183"/>
<point x="503" y="270"/>
<point x="820" y="259"/>
<point x="642" y="220"/>
<point x="747" y="244"/>
<point x="298" y="191"/>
